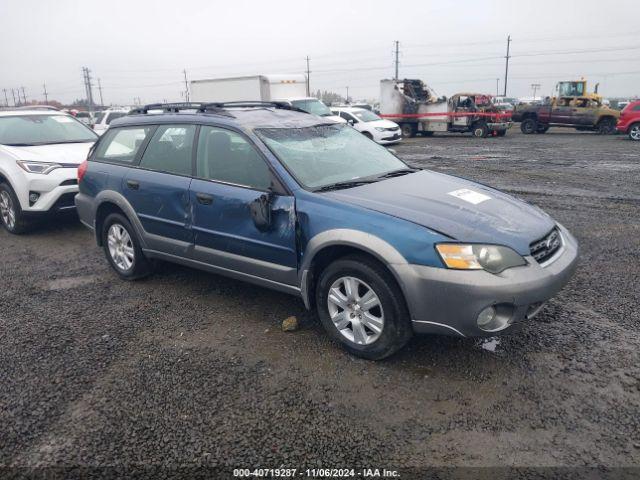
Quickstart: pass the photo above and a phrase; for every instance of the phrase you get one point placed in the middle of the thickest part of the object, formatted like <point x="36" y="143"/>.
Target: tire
<point x="529" y="126"/>
<point x="634" y="132"/>
<point x="408" y="130"/>
<point x="368" y="135"/>
<point x="606" y="126"/>
<point x="480" y="130"/>
<point x="389" y="315"/>
<point x="129" y="264"/>
<point x="11" y="215"/>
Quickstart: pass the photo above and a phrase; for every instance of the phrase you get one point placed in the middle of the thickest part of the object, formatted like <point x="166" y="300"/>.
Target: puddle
<point x="69" y="282"/>
<point x="490" y="344"/>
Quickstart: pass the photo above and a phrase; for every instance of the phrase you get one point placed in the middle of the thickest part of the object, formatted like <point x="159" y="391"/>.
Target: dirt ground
<point x="186" y="368"/>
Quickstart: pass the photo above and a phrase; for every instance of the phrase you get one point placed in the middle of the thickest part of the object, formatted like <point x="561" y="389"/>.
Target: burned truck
<point x="414" y="106"/>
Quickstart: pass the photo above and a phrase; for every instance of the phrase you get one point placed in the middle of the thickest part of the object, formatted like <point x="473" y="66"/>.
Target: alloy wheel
<point x="355" y="310"/>
<point x="634" y="133"/>
<point x="7" y="212"/>
<point x="120" y="247"/>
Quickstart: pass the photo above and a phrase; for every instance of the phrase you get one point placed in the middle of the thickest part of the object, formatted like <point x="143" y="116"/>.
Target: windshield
<point x="327" y="154"/>
<point x="312" y="105"/>
<point x="43" y="130"/>
<point x="365" y="116"/>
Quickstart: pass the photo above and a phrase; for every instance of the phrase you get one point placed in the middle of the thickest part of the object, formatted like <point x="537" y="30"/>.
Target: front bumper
<point x="499" y="125"/>
<point x="448" y="302"/>
<point x="387" y="137"/>
<point x="55" y="189"/>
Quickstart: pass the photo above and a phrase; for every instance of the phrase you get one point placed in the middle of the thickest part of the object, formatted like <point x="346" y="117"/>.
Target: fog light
<point x="486" y="317"/>
<point x="33" y="197"/>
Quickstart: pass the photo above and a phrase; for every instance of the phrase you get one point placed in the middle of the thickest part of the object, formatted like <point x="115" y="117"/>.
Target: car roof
<point x="251" y="118"/>
<point x="43" y="111"/>
<point x="349" y="109"/>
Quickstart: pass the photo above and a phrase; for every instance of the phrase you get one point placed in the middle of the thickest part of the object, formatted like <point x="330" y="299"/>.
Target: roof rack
<point x="219" y="108"/>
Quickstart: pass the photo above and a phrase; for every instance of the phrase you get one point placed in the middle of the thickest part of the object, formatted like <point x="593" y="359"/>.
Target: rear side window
<point x="636" y="108"/>
<point x="227" y="157"/>
<point x="111" y="116"/>
<point x="170" y="149"/>
<point x="121" y="145"/>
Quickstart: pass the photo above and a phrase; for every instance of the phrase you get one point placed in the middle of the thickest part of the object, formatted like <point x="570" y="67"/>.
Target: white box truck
<point x="291" y="89"/>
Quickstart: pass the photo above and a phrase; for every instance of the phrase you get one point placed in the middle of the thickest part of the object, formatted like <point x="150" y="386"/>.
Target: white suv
<point x="104" y="118"/>
<point x="40" y="151"/>
<point x="384" y="132"/>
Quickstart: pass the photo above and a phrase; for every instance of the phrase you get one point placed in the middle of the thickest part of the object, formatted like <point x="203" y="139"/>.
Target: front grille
<point x="66" y="201"/>
<point x="543" y="249"/>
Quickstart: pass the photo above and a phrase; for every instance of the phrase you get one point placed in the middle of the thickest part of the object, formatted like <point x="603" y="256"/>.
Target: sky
<point x="139" y="49"/>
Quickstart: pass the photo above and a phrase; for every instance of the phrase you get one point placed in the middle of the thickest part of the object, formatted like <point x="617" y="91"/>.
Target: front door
<point x="158" y="189"/>
<point x="232" y="178"/>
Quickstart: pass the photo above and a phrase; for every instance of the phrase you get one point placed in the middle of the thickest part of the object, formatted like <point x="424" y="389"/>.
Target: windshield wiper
<point x="341" y="185"/>
<point x="398" y="173"/>
<point x="19" y="144"/>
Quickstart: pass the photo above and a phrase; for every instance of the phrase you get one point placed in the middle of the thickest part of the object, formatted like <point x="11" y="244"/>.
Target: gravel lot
<point x="186" y="369"/>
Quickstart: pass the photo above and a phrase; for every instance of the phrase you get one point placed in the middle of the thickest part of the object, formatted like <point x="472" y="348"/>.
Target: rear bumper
<point x="448" y="302"/>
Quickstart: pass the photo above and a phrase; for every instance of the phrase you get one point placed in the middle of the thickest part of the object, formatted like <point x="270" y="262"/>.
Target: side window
<point x="226" y="156"/>
<point x="170" y="149"/>
<point x="114" y="115"/>
<point x="636" y="108"/>
<point x="121" y="145"/>
<point x="348" y="117"/>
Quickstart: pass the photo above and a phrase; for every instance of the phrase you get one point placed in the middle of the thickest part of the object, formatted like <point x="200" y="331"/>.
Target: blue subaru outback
<point x="283" y="199"/>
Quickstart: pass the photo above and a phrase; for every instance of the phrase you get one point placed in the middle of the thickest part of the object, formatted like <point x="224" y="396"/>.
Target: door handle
<point x="133" y="185"/>
<point x="204" y="198"/>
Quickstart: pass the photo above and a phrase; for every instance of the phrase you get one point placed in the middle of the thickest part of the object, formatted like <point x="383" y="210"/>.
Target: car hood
<point x="74" y="153"/>
<point x="383" y="124"/>
<point x="463" y="210"/>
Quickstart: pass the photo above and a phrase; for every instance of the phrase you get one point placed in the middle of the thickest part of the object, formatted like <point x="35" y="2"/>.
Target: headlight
<point x="37" y="167"/>
<point x="380" y="129"/>
<point x="492" y="258"/>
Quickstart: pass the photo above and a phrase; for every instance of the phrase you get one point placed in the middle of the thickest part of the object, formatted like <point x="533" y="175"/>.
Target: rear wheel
<point x="634" y="132"/>
<point x="11" y="214"/>
<point x="361" y="307"/>
<point x="122" y="248"/>
<point x="606" y="126"/>
<point x="529" y="126"/>
<point x="408" y="130"/>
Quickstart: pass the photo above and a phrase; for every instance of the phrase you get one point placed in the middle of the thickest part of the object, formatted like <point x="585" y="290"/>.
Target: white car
<point x="384" y="132"/>
<point x="104" y="118"/>
<point x="40" y="151"/>
<point x="315" y="107"/>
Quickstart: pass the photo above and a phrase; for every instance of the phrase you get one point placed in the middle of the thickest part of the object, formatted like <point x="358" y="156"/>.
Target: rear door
<point x="232" y="178"/>
<point x="158" y="189"/>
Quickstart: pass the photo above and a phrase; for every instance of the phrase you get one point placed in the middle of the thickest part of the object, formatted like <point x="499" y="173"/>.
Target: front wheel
<point x="529" y="126"/>
<point x="361" y="306"/>
<point x="607" y="126"/>
<point x="11" y="215"/>
<point x="634" y="132"/>
<point x="480" y="130"/>
<point x="122" y="248"/>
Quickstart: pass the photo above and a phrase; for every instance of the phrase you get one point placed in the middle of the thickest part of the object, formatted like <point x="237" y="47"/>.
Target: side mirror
<point x="261" y="211"/>
<point x="351" y="122"/>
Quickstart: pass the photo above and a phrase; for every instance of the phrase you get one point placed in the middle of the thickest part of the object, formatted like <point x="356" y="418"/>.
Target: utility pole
<point x="497" y="87"/>
<point x="186" y="85"/>
<point x="100" y="90"/>
<point x="46" y="97"/>
<point x="24" y="97"/>
<point x="397" y="61"/>
<point x="13" y="94"/>
<point x="347" y="101"/>
<point x="308" y="78"/>
<point x="6" y="99"/>
<point x="87" y="85"/>
<point x="506" y="70"/>
<point x="535" y="87"/>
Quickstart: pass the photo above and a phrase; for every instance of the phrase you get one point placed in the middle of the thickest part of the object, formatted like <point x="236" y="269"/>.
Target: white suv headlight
<point x="37" y="167"/>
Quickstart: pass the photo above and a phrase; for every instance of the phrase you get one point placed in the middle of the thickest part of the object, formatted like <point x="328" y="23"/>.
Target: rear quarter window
<point x="121" y="145"/>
